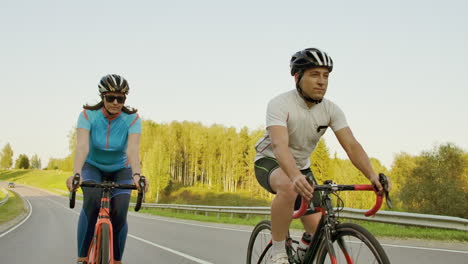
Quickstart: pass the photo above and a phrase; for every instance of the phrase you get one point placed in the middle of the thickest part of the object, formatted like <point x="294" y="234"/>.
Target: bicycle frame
<point x="323" y="232"/>
<point x="328" y="220"/>
<point x="103" y="219"/>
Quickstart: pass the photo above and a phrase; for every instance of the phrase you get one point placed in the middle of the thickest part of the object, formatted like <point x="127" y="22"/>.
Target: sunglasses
<point x="111" y="98"/>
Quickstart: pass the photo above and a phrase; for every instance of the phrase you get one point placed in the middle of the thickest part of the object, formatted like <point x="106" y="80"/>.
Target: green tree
<point x="320" y="160"/>
<point x="402" y="168"/>
<point x="53" y="164"/>
<point x="22" y="162"/>
<point x="438" y="182"/>
<point x="6" y="157"/>
<point x="35" y="162"/>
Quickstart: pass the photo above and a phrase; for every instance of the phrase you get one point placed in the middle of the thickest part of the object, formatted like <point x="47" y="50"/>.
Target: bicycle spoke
<point x="353" y="244"/>
<point x="263" y="246"/>
<point x="355" y="252"/>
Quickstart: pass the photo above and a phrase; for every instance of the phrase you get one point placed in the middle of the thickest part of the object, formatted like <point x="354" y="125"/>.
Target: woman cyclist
<point x="108" y="139"/>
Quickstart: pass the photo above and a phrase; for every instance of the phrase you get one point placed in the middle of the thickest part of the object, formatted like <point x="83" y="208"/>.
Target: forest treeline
<point x="220" y="159"/>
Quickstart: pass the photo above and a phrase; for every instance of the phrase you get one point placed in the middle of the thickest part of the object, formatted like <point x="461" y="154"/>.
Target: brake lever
<point x="384" y="181"/>
<point x="75" y="182"/>
<point x="142" y="184"/>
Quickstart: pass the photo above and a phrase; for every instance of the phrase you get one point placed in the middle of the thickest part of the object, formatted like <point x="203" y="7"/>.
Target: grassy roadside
<point x="2" y="194"/>
<point x="12" y="208"/>
<point x="49" y="180"/>
<point x="378" y="229"/>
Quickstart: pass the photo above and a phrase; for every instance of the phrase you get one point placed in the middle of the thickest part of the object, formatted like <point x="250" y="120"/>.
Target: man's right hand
<point x="69" y="183"/>
<point x="302" y="186"/>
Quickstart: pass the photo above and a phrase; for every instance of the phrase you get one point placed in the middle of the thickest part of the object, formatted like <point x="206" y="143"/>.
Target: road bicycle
<point x="101" y="249"/>
<point x="333" y="242"/>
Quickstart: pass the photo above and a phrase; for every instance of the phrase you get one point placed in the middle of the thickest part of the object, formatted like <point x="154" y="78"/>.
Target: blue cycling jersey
<point x="108" y="136"/>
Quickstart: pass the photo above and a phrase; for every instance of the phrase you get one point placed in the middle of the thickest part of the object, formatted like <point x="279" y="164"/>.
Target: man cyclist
<point x="295" y="122"/>
<point x="108" y="142"/>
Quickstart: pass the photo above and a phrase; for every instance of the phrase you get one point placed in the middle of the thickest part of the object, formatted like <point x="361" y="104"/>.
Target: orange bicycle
<point x="101" y="249"/>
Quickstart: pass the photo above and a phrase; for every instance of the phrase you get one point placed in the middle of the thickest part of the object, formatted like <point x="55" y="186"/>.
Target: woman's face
<point x="113" y="102"/>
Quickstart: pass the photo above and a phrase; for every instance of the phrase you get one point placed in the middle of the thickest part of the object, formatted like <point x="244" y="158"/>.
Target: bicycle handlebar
<point x="331" y="187"/>
<point x="109" y="185"/>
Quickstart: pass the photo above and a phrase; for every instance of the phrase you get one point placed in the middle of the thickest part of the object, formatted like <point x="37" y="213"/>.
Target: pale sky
<point x="399" y="72"/>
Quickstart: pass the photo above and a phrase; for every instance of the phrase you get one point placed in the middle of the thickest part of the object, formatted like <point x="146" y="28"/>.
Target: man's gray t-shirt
<point x="305" y="125"/>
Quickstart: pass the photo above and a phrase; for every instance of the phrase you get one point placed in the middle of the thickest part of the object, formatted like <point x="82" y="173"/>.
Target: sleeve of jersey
<point x="83" y="121"/>
<point x="276" y="114"/>
<point x="135" y="126"/>
<point x="338" y="119"/>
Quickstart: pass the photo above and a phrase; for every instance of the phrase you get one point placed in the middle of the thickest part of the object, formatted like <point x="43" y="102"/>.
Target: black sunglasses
<point x="111" y="98"/>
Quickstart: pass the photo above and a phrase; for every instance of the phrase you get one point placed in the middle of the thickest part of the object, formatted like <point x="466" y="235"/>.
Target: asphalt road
<point x="48" y="236"/>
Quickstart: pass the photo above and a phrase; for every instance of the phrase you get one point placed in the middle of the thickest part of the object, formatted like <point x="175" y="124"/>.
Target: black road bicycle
<point x="333" y="242"/>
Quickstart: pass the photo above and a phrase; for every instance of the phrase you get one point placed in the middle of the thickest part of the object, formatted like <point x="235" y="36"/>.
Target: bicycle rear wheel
<point x="104" y="249"/>
<point x="352" y="243"/>
<point x="259" y="249"/>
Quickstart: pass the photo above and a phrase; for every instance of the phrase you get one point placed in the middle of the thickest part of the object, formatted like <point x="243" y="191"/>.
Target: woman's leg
<point x="119" y="208"/>
<point x="118" y="214"/>
<point x="90" y="210"/>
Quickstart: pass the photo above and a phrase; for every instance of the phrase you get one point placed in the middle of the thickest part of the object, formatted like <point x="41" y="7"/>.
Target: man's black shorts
<point x="263" y="169"/>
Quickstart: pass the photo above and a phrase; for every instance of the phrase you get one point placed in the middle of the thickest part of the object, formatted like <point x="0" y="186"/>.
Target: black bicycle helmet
<point x="113" y="83"/>
<point x="308" y="58"/>
<point x="305" y="59"/>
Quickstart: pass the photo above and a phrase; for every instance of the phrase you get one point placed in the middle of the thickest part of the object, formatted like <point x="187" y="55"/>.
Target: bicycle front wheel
<point x="104" y="250"/>
<point x="353" y="244"/>
<point x="259" y="249"/>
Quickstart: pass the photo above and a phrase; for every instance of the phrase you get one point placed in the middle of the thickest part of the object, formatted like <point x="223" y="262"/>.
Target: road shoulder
<point x="4" y="227"/>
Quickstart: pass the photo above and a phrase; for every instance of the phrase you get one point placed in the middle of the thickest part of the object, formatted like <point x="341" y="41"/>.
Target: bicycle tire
<point x="259" y="248"/>
<point x="352" y="243"/>
<point x="104" y="248"/>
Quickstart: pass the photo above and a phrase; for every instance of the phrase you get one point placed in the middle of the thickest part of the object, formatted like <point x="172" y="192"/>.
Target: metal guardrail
<point x="215" y="209"/>
<point x="390" y="217"/>
<point x="4" y="200"/>
<point x="402" y="218"/>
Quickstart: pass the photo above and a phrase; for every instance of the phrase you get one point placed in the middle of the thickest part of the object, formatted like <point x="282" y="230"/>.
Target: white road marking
<point x="19" y="224"/>
<point x="171" y="250"/>
<point x="425" y="248"/>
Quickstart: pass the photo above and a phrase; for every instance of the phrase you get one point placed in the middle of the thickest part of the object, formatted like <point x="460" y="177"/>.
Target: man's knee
<point x="286" y="191"/>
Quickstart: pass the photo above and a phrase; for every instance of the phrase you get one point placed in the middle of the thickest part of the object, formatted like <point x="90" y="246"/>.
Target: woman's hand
<point x="69" y="182"/>
<point x="136" y="181"/>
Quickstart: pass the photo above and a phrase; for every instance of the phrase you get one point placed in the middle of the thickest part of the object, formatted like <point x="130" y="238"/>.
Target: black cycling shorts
<point x="263" y="169"/>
